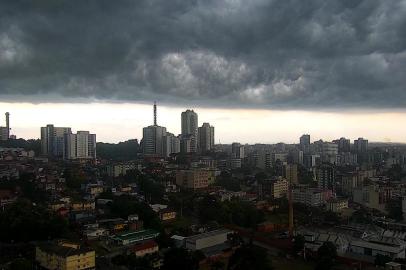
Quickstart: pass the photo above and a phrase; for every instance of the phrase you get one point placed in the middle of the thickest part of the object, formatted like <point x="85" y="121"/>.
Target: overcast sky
<point x="340" y="63"/>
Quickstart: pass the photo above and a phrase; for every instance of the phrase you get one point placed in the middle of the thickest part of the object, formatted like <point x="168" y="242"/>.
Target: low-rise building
<point x="194" y="179"/>
<point x="148" y="247"/>
<point x="134" y="237"/>
<point x="206" y="240"/>
<point x="337" y="205"/>
<point x="311" y="196"/>
<point x="64" y="256"/>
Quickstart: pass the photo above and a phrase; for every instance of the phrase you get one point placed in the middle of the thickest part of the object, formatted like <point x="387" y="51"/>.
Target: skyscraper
<point x="189" y="128"/>
<point x="344" y="145"/>
<point x="171" y="144"/>
<point x="206" y="137"/>
<point x="361" y="145"/>
<point x="153" y="138"/>
<point x="305" y="143"/>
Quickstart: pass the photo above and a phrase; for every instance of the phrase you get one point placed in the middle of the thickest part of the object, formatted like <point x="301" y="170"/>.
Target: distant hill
<point x="121" y="151"/>
<point x="31" y="144"/>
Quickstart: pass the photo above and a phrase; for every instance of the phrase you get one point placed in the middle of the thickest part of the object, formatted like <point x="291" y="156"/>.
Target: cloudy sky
<point x="258" y="70"/>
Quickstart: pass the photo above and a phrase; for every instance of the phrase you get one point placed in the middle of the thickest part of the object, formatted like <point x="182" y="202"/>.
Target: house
<point x="148" y="247"/>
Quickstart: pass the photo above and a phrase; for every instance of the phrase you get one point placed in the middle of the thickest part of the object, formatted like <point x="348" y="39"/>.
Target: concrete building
<point x="373" y="196"/>
<point x="305" y="143"/>
<point x="171" y="144"/>
<point x="344" y="145"/>
<point x="337" y="205"/>
<point x="194" y="179"/>
<point x="279" y="188"/>
<point x="5" y="131"/>
<point x="64" y="256"/>
<point x="329" y="152"/>
<point x="189" y="126"/>
<point x="326" y="176"/>
<point x="80" y="146"/>
<point x="237" y="150"/>
<point x="311" y="196"/>
<point x="207" y="240"/>
<point x="361" y="145"/>
<point x="206" y="138"/>
<point x="291" y="174"/>
<point x="53" y="140"/>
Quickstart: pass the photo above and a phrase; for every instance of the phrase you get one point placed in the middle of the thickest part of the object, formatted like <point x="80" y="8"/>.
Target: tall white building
<point x="80" y="145"/>
<point x="206" y="137"/>
<point x="189" y="127"/>
<point x="53" y="140"/>
<point x="171" y="144"/>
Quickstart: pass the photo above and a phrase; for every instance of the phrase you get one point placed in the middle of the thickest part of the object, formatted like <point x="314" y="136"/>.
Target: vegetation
<point x="326" y="256"/>
<point x="24" y="221"/>
<point x="121" y="151"/>
<point x="182" y="259"/>
<point x="250" y="258"/>
<point x="34" y="145"/>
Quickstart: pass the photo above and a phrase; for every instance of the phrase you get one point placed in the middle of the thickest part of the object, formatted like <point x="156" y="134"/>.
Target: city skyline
<point x="119" y="122"/>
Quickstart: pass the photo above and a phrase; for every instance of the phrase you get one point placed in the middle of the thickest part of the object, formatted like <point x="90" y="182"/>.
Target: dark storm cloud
<point x="257" y="53"/>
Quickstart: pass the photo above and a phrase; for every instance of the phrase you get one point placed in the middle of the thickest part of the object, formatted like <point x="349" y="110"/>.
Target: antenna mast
<point x="155" y="113"/>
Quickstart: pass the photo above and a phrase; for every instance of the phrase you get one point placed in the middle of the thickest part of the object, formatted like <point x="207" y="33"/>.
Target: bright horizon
<point x="115" y="122"/>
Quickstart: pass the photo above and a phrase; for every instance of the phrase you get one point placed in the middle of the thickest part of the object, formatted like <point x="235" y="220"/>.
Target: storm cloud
<point x="257" y="53"/>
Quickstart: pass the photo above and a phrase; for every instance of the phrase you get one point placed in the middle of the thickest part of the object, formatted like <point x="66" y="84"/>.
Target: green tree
<point x="217" y="265"/>
<point x="394" y="208"/>
<point x="21" y="264"/>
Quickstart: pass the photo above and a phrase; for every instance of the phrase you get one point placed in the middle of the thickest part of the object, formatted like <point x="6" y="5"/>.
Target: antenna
<point x="155" y="113"/>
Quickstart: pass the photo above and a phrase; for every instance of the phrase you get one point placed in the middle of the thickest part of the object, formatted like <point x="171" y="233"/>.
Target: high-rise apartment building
<point x="344" y="145"/>
<point x="237" y="150"/>
<point x="206" y="137"/>
<point x="361" y="145"/>
<point x="305" y="143"/>
<point x="189" y="128"/>
<point x="53" y="140"/>
<point x="80" y="146"/>
<point x="5" y="131"/>
<point x="171" y="144"/>
<point x="291" y="174"/>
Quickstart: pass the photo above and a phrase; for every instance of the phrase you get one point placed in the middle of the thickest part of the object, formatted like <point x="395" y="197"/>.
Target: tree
<point x="250" y="258"/>
<point x="394" y="208"/>
<point x="298" y="244"/>
<point x="326" y="256"/>
<point x="21" y="264"/>
<point x="180" y="259"/>
<point x="24" y="222"/>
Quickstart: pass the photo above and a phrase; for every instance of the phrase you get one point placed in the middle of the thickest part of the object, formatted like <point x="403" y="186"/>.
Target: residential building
<point x="53" y="140"/>
<point x="237" y="150"/>
<point x="311" y="196"/>
<point x="145" y="248"/>
<point x="206" y="138"/>
<point x="80" y="146"/>
<point x="64" y="256"/>
<point x="279" y="188"/>
<point x="305" y="143"/>
<point x="189" y="126"/>
<point x="373" y="196"/>
<point x="291" y="174"/>
<point x="5" y="131"/>
<point x="337" y="205"/>
<point x="326" y="176"/>
<point x="344" y="145"/>
<point x="171" y="144"/>
<point x="194" y="179"/>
